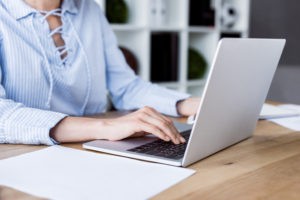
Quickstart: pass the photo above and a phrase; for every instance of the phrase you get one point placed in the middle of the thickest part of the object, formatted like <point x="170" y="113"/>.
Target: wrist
<point x="188" y="106"/>
<point x="179" y="106"/>
<point x="99" y="129"/>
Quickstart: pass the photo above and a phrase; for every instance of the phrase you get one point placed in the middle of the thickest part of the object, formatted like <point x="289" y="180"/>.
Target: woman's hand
<point x="144" y="121"/>
<point x="188" y="106"/>
<point x="139" y="123"/>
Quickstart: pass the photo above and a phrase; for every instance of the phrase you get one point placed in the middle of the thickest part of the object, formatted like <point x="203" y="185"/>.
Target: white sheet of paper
<point x="270" y="111"/>
<point x="289" y="122"/>
<point x="64" y="173"/>
<point x="292" y="107"/>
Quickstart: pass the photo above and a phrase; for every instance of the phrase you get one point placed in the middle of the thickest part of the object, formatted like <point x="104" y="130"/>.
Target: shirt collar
<point x="19" y="9"/>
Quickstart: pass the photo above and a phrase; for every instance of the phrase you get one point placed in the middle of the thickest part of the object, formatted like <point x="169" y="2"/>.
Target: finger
<point x="162" y="125"/>
<point x="146" y="127"/>
<point x="170" y="124"/>
<point x="175" y="135"/>
<point x="174" y="129"/>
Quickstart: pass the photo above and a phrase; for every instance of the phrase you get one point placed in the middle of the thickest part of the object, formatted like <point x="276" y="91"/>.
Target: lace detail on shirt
<point x="62" y="50"/>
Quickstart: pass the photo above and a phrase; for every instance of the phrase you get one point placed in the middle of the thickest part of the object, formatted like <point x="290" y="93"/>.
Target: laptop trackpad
<point x="122" y="145"/>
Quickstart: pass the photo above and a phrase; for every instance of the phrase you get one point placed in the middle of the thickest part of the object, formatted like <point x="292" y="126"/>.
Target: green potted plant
<point x="117" y="11"/>
<point x="197" y="64"/>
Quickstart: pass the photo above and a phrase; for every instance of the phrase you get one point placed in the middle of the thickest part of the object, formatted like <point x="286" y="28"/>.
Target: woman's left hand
<point x="188" y="106"/>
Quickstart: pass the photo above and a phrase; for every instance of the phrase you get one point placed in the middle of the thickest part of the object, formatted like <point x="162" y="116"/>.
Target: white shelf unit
<point x="136" y="35"/>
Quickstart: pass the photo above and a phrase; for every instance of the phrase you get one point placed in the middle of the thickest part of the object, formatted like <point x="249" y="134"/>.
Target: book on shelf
<point x="202" y="13"/>
<point x="230" y="35"/>
<point x="164" y="56"/>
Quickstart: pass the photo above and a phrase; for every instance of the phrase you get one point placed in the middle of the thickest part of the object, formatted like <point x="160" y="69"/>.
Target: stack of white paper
<point x="270" y="111"/>
<point x="63" y="173"/>
<point x="291" y="122"/>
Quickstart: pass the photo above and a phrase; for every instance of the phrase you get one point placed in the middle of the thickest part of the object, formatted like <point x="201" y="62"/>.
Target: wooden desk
<point x="266" y="166"/>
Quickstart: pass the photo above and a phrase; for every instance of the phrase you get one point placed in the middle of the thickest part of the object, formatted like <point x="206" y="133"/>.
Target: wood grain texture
<point x="262" y="167"/>
<point x="265" y="166"/>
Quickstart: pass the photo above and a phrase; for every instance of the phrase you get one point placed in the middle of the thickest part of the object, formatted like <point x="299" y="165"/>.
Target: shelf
<point x="205" y="43"/>
<point x="129" y="40"/>
<point x="167" y="13"/>
<point x="127" y="27"/>
<point x="136" y="9"/>
<point x="198" y="82"/>
<point x="195" y="90"/>
<point x="232" y="31"/>
<point x="169" y="84"/>
<point x="201" y="29"/>
<point x="166" y="29"/>
<point x="165" y="61"/>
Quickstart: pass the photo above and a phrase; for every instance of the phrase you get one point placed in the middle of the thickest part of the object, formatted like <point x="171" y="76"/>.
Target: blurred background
<point x="172" y="42"/>
<point x="279" y="19"/>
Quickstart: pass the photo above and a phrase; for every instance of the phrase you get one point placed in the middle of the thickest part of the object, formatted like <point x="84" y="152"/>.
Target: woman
<point x="58" y="59"/>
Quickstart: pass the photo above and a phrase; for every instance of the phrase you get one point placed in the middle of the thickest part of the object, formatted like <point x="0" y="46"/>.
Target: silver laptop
<point x="236" y="88"/>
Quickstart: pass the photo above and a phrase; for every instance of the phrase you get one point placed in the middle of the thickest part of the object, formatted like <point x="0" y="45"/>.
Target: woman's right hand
<point x="141" y="122"/>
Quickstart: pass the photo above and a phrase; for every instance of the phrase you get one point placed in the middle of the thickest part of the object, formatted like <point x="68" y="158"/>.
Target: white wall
<point x="280" y="19"/>
<point x="286" y="85"/>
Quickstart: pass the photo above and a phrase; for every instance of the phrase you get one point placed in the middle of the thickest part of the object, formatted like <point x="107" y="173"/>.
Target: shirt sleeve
<point x="23" y="125"/>
<point x="126" y="89"/>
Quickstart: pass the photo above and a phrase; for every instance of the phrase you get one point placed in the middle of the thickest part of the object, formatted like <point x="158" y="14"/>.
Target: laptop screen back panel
<point x="235" y="91"/>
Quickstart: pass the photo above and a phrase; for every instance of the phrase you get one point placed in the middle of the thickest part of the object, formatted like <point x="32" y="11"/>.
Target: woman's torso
<point x="32" y="69"/>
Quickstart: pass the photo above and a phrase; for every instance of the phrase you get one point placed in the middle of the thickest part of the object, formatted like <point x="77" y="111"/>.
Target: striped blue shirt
<point x="38" y="88"/>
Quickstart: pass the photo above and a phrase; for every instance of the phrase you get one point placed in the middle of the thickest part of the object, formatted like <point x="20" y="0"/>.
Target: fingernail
<point x="167" y="138"/>
<point x="182" y="140"/>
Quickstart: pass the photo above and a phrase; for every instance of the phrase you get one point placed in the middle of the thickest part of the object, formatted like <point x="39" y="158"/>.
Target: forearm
<point x="77" y="129"/>
<point x="141" y="122"/>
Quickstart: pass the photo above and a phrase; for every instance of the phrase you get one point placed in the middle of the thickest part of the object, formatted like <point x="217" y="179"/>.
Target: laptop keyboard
<point x="164" y="149"/>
